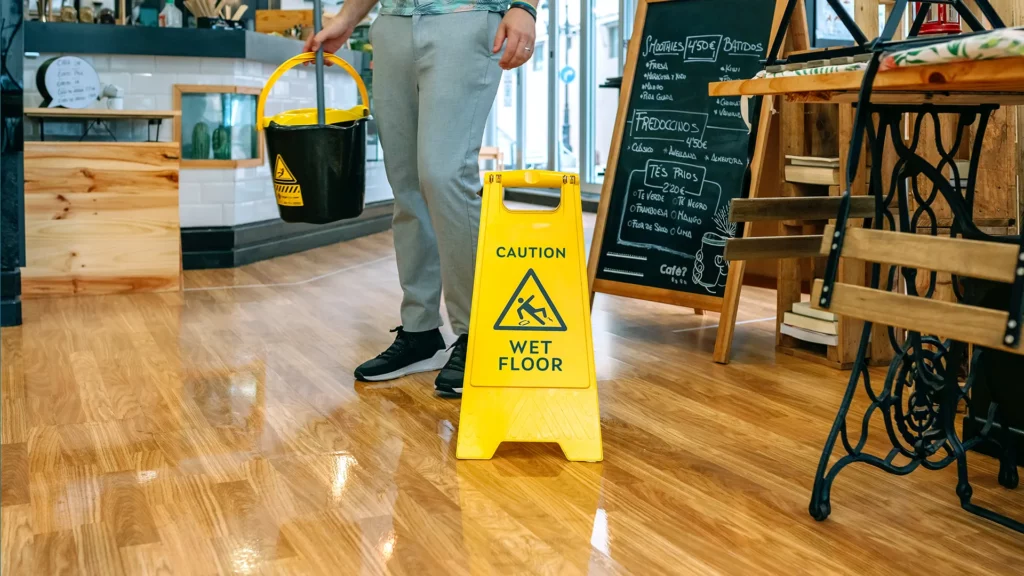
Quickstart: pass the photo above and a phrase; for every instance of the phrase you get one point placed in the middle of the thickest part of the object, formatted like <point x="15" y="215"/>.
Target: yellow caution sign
<point x="530" y="365"/>
<point x="286" y="187"/>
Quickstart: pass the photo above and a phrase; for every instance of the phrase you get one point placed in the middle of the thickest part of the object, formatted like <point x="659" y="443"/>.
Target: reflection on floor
<point x="220" y="431"/>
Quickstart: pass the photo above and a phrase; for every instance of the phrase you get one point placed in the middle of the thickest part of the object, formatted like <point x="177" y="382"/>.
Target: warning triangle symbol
<point x="282" y="175"/>
<point x="530" y="309"/>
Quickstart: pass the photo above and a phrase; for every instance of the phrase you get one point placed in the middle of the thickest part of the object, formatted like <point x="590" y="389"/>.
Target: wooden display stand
<point x="805" y="130"/>
<point x="797" y="128"/>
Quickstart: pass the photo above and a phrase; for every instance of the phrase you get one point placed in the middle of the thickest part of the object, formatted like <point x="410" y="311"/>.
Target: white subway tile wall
<point x="207" y="197"/>
<point x="177" y="65"/>
<point x="189" y="193"/>
<point x="155" y="83"/>
<point x="203" y="177"/>
<point x="202" y="215"/>
<point x="218" y="193"/>
<point x="134" y="64"/>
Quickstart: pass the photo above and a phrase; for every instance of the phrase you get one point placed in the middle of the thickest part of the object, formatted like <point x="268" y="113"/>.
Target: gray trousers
<point x="434" y="81"/>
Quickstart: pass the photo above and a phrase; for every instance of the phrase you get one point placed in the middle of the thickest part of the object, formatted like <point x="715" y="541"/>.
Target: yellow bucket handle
<point x="302" y="58"/>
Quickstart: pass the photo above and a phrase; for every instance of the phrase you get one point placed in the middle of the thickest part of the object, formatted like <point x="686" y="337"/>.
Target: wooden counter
<point x="101" y="218"/>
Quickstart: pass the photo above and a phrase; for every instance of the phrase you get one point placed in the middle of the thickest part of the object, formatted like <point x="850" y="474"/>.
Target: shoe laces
<point x="398" y="347"/>
<point x="458" y="350"/>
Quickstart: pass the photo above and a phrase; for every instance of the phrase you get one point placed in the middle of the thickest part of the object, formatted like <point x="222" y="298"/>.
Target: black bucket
<point x="318" y="160"/>
<point x="319" y="171"/>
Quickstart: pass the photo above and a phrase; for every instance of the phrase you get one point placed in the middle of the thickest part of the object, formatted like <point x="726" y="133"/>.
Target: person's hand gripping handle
<point x="341" y="27"/>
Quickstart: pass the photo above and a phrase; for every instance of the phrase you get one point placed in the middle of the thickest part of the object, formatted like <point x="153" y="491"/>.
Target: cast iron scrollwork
<point x="921" y="391"/>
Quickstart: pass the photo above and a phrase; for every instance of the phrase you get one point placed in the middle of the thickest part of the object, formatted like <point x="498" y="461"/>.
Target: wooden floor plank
<point x="221" y="431"/>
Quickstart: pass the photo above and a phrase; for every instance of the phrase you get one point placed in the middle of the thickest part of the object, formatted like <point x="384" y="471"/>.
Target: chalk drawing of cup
<point x="710" y="268"/>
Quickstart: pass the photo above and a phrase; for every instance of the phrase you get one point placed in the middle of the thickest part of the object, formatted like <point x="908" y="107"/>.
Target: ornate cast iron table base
<point x="919" y="396"/>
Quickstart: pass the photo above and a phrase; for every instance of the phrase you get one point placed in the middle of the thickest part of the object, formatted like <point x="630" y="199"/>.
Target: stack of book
<point x="810" y="325"/>
<point x="812" y="170"/>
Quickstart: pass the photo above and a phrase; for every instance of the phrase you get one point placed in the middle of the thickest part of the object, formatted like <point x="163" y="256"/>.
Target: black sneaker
<point x="449" y="381"/>
<point x="411" y="352"/>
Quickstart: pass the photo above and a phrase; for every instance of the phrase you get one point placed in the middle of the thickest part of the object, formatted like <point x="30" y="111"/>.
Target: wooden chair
<point x="494" y="154"/>
<point x="792" y="213"/>
<point x="805" y="209"/>
<point x="921" y="392"/>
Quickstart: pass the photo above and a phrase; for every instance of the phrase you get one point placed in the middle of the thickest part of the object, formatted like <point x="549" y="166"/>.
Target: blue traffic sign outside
<point x="567" y="74"/>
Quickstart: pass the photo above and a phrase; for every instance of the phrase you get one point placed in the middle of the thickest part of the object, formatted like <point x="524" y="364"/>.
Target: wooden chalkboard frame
<point x="728" y="304"/>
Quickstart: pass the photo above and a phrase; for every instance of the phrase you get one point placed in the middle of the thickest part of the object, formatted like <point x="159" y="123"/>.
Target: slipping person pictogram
<point x="527" y="306"/>
<point x="534" y="310"/>
<point x="282" y="174"/>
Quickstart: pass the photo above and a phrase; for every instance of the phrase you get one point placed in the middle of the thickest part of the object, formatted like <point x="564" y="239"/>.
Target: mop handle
<point x="320" y="115"/>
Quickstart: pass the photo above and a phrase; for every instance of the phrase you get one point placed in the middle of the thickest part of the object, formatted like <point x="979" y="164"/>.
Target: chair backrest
<point x="806" y="209"/>
<point x="493" y="153"/>
<point x="966" y="258"/>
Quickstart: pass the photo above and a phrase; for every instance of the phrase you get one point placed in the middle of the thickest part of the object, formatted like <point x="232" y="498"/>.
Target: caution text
<point x="545" y="252"/>
<point x="530" y="356"/>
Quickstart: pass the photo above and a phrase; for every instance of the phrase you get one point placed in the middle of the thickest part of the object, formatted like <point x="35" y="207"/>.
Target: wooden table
<point x="959" y="83"/>
<point x="971" y="91"/>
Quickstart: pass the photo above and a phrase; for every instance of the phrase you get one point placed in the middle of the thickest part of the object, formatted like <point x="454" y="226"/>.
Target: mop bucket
<point x="319" y="169"/>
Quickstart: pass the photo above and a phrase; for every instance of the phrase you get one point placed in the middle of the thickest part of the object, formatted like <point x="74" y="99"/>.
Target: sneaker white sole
<point x="429" y="365"/>
<point x="449" y="392"/>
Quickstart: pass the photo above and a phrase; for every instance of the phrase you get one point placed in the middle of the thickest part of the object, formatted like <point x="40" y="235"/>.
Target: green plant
<point x="200" y="142"/>
<point x="222" y="143"/>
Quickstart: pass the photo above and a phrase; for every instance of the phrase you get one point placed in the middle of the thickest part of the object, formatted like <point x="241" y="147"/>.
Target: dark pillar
<point x="12" y="180"/>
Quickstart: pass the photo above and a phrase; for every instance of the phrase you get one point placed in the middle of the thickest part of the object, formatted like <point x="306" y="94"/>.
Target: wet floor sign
<point x="530" y="365"/>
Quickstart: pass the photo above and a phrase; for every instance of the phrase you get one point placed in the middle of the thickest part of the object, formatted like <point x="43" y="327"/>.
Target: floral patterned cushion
<point x="812" y="71"/>
<point x="1002" y="43"/>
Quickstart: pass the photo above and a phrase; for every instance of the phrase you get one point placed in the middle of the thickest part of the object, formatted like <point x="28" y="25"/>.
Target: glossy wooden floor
<point x="220" y="431"/>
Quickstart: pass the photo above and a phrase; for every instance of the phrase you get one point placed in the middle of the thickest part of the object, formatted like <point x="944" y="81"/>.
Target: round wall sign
<point x="67" y="82"/>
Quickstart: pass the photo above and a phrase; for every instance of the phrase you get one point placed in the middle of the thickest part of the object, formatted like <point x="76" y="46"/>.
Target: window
<point x="539" y="57"/>
<point x="612" y="40"/>
<point x="603" y="103"/>
<point x="217" y="126"/>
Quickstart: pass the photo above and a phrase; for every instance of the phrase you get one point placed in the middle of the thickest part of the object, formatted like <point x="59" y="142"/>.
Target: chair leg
<point x="1008" y="476"/>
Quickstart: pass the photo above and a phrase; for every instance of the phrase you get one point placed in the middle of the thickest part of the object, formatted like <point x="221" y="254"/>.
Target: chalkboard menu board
<point x="682" y="155"/>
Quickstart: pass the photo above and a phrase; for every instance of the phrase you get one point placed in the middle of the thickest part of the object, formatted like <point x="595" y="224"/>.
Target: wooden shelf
<point x="995" y="81"/>
<point x="87" y="113"/>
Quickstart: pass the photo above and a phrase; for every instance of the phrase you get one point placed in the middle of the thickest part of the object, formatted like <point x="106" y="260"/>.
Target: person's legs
<point x="396" y="108"/>
<point x="458" y="80"/>
<point x="419" y="346"/>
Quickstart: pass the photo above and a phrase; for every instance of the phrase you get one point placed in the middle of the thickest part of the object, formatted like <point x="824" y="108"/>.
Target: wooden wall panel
<point x="101" y="218"/>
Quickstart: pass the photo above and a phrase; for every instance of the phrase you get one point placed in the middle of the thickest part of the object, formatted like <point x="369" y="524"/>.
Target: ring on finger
<point x="527" y="49"/>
